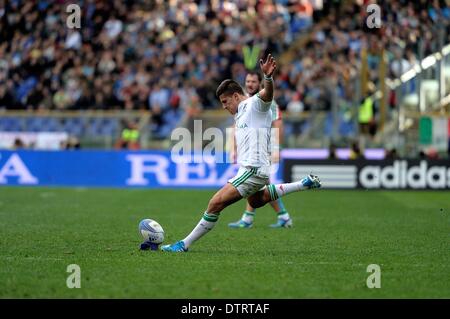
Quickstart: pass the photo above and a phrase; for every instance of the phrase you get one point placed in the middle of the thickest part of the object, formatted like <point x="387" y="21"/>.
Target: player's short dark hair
<point x="255" y="73"/>
<point x="229" y="87"/>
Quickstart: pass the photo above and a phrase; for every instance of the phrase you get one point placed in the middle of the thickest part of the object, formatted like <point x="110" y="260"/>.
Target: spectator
<point x="72" y="143"/>
<point x="129" y="138"/>
<point x="366" y="115"/>
<point x="159" y="96"/>
<point x="432" y="154"/>
<point x="355" y="151"/>
<point x="332" y="151"/>
<point x="295" y="105"/>
<point x="18" y="144"/>
<point x="7" y="100"/>
<point x="391" y="154"/>
<point x="400" y="65"/>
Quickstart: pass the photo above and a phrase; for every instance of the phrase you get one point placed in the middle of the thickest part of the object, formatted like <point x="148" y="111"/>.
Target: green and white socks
<point x="248" y="217"/>
<point x="283" y="214"/>
<point x="207" y="223"/>
<point x="279" y="190"/>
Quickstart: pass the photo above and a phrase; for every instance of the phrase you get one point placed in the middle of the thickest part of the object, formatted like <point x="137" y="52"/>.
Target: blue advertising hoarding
<point x="112" y="169"/>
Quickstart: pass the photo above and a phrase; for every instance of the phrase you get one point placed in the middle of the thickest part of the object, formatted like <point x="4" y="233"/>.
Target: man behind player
<point x="253" y="118"/>
<point x="252" y="86"/>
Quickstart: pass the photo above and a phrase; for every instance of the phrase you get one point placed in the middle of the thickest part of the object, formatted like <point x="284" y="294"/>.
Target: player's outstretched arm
<point x="268" y="67"/>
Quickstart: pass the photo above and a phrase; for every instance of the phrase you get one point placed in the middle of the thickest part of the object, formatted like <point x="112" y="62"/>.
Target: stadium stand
<point x="166" y="57"/>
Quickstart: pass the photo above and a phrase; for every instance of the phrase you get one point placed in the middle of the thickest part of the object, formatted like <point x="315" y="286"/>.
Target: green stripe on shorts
<point x="242" y="179"/>
<point x="239" y="178"/>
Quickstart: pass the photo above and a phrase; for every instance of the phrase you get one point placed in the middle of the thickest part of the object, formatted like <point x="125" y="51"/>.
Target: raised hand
<point x="268" y="66"/>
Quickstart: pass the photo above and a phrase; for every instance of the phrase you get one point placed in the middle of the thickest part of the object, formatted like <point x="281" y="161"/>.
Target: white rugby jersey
<point x="276" y="113"/>
<point x="253" y="122"/>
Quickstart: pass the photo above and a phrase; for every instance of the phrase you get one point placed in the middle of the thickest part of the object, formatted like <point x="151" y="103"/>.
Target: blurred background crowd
<point x="167" y="57"/>
<point x="135" y="54"/>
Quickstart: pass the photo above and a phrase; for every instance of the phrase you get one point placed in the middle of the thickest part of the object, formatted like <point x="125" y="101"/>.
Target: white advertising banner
<point x="38" y="140"/>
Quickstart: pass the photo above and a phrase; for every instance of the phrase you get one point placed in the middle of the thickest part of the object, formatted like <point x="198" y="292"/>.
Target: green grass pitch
<point x="336" y="235"/>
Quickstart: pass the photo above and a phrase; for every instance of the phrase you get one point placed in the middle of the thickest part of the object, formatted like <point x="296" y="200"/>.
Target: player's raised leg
<point x="273" y="192"/>
<point x="226" y="196"/>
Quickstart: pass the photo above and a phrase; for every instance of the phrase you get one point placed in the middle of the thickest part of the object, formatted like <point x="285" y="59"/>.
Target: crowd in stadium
<point x="169" y="56"/>
<point x="133" y="55"/>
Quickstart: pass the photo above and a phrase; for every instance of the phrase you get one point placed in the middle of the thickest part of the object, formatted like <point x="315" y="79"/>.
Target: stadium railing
<point x="422" y="92"/>
<point x="94" y="129"/>
<point x="101" y="129"/>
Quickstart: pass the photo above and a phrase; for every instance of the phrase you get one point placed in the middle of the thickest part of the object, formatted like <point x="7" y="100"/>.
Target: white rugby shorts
<point x="249" y="180"/>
